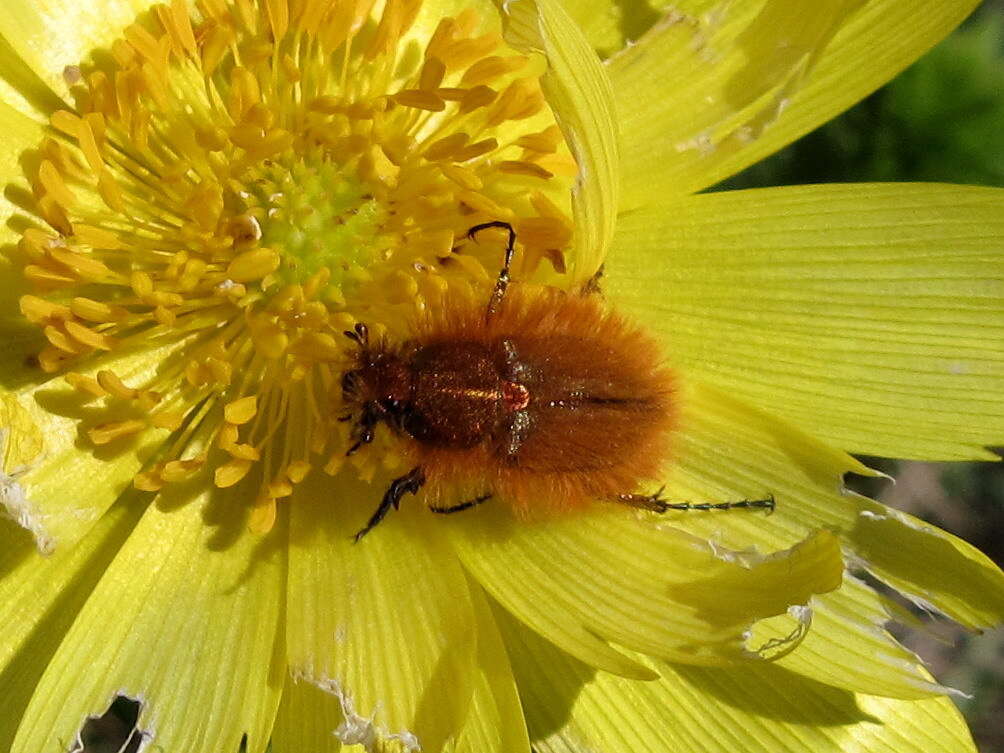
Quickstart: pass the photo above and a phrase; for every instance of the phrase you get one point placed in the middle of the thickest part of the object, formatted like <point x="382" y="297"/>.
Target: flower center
<point x="238" y="188"/>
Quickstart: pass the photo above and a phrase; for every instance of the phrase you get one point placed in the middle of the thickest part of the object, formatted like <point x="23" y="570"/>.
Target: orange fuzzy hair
<point x="600" y="401"/>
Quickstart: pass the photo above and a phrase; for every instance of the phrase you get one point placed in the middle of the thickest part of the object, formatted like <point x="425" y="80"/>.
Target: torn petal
<point x="47" y="453"/>
<point x="737" y="451"/>
<point x="726" y="84"/>
<point x="153" y="628"/>
<point x="117" y="728"/>
<point x="306" y="720"/>
<point x="938" y="571"/>
<point x="850" y="647"/>
<point x="763" y="708"/>
<point x="385" y="624"/>
<point x="603" y="578"/>
<point x="41" y="595"/>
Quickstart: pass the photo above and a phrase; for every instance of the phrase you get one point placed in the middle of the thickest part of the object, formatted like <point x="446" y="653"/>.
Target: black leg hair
<point x="410" y="482"/>
<point x="462" y="506"/>
<point x="503" y="279"/>
<point x="656" y="503"/>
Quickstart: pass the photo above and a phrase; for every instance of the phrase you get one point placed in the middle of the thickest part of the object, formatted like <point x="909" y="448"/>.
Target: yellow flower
<point x="200" y="197"/>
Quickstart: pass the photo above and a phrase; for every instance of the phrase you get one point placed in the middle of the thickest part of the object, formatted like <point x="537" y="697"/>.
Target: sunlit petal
<point x="870" y="315"/>
<point x="724" y="85"/>
<point x="153" y="628"/>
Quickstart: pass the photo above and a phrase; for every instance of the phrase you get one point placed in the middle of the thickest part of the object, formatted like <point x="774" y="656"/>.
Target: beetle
<point x="546" y="399"/>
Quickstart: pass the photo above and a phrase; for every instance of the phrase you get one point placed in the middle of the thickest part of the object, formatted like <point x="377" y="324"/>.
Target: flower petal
<point x="50" y="35"/>
<point x="495" y="723"/>
<point x="849" y="647"/>
<point x="577" y="89"/>
<point x="384" y="624"/>
<point x="21" y="89"/>
<point x="20" y="133"/>
<point x="607" y="24"/>
<point x="871" y="315"/>
<point x="39" y="598"/>
<point x="64" y="483"/>
<point x="307" y="720"/>
<point x="308" y="716"/>
<point x="604" y="576"/>
<point x="186" y="621"/>
<point x="762" y="708"/>
<point x="725" y="449"/>
<point x="723" y="89"/>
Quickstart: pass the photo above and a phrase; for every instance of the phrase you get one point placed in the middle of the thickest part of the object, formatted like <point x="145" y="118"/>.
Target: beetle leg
<point x="503" y="279"/>
<point x="410" y="482"/>
<point x="462" y="506"/>
<point x="656" y="503"/>
<point x="363" y="431"/>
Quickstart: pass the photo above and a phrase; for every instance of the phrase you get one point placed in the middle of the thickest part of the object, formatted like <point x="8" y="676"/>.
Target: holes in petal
<point x="115" y="731"/>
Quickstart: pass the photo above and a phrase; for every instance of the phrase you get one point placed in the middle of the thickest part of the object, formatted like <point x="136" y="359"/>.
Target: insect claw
<point x="656" y="503"/>
<point x="769" y="504"/>
<point x="474" y="230"/>
<point x="360" y="335"/>
<point x="363" y="333"/>
<point x="503" y="279"/>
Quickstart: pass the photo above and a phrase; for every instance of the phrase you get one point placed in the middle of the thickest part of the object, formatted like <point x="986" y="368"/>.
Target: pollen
<point x="238" y="186"/>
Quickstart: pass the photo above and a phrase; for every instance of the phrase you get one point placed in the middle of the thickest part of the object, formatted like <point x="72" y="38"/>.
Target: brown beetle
<point x="546" y="400"/>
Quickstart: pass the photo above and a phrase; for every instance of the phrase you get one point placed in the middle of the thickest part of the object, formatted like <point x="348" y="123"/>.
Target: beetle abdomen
<point x="595" y="408"/>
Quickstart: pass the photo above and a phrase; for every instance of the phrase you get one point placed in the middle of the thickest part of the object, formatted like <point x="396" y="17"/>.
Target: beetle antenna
<point x="503" y="279"/>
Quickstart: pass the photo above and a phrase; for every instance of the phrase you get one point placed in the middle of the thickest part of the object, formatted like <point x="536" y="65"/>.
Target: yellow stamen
<point x="420" y="99"/>
<point x="253" y="265"/>
<point x="110" y="382"/>
<point x="239" y="187"/>
<point x="38" y="310"/>
<point x="96" y="311"/>
<point x="518" y="167"/>
<point x="262" y="517"/>
<point x="88" y="337"/>
<point x="297" y="471"/>
<point x="231" y="472"/>
<point x="148" y="481"/>
<point x="85" y="384"/>
<point x="53" y="183"/>
<point x="179" y="470"/>
<point x="106" y="433"/>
